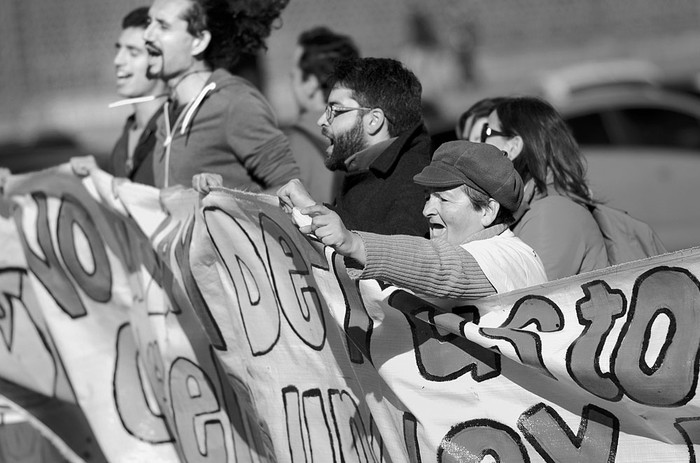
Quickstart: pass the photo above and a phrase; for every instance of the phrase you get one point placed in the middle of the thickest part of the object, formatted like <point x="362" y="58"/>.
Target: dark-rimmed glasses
<point x="333" y="110"/>
<point x="487" y="132"/>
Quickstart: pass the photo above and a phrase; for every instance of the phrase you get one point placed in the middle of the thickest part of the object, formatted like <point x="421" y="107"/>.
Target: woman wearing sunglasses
<point x="553" y="218"/>
<point x="471" y="122"/>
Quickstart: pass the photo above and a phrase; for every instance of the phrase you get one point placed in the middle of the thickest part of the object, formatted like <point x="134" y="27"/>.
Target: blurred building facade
<point x="57" y="56"/>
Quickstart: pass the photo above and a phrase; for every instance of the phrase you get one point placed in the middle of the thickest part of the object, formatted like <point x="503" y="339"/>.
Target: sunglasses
<point x="487" y="132"/>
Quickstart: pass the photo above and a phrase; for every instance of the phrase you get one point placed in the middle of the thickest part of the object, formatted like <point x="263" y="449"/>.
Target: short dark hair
<point x="480" y="201"/>
<point x="382" y="83"/>
<point x="137" y="18"/>
<point x="234" y="31"/>
<point x="321" y="49"/>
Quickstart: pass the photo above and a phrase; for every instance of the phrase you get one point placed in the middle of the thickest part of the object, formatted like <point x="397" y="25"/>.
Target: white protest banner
<point x="80" y="377"/>
<point x="594" y="368"/>
<point x="184" y="329"/>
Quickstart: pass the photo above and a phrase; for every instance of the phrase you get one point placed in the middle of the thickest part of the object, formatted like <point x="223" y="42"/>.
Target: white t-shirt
<point x="507" y="262"/>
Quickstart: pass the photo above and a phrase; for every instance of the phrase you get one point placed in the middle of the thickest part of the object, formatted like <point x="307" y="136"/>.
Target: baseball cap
<point x="479" y="165"/>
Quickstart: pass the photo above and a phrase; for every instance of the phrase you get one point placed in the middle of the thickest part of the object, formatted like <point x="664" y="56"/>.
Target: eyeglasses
<point x="487" y="132"/>
<point x="334" y="110"/>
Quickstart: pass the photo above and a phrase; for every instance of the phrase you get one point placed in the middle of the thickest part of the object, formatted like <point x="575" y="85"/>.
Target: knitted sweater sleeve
<point x="430" y="267"/>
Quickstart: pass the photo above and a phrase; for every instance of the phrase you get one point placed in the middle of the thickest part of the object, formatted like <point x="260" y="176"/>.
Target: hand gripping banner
<point x="140" y="325"/>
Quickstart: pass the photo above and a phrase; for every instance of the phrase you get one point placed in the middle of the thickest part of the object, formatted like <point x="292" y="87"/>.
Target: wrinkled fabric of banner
<point x="141" y="325"/>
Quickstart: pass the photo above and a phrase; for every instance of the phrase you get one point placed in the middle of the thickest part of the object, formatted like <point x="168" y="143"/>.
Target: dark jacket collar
<point x="362" y="160"/>
<point x="386" y="161"/>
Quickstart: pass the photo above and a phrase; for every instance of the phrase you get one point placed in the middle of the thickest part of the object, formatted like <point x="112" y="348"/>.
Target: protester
<point x="472" y="120"/>
<point x="132" y="156"/>
<point x="377" y="137"/>
<point x="472" y="190"/>
<point x="552" y="219"/>
<point x="318" y="49"/>
<point x="221" y="125"/>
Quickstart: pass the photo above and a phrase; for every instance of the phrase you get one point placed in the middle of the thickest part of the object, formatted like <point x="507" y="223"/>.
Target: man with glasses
<point x="374" y="124"/>
<point x="318" y="49"/>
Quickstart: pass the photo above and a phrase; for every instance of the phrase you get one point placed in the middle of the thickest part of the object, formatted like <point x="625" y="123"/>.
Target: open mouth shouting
<point x="330" y="137"/>
<point x="153" y="51"/>
<point x="155" y="61"/>
<point x="437" y="229"/>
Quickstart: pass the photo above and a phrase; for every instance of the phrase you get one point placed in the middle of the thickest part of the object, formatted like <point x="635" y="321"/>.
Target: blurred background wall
<point x="57" y="73"/>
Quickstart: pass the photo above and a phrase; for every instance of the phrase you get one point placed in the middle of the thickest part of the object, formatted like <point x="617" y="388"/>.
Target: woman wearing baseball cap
<point x="472" y="191"/>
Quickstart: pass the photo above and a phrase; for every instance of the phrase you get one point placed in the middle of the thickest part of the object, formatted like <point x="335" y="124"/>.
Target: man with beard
<point x="318" y="49"/>
<point x="377" y="138"/>
<point x="218" y="129"/>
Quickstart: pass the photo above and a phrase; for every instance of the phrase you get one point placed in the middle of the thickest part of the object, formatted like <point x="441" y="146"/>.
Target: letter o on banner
<point x="96" y="282"/>
<point x="670" y="380"/>
<point x="474" y="440"/>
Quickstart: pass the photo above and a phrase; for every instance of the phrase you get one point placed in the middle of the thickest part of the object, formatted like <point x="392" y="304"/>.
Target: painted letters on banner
<point x="140" y="325"/>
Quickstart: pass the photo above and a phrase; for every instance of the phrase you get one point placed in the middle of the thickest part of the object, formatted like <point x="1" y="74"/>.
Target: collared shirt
<point x="361" y="160"/>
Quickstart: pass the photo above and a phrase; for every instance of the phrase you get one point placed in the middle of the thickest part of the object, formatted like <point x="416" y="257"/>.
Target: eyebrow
<point x="160" y="21"/>
<point x="119" y="45"/>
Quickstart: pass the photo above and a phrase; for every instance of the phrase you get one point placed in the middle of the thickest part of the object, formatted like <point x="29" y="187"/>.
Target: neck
<point x="486" y="233"/>
<point x="187" y="86"/>
<point x="144" y="111"/>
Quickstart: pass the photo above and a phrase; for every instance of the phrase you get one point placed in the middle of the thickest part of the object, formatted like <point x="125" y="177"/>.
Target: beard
<point x="154" y="70"/>
<point x="345" y="145"/>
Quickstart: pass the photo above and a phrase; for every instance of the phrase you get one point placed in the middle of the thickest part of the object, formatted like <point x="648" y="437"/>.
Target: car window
<point x="589" y="129"/>
<point x="660" y="127"/>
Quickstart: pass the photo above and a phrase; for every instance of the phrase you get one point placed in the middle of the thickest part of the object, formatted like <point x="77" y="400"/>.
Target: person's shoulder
<point x="564" y="212"/>
<point x="231" y="83"/>
<point x="559" y="204"/>
<point x="239" y="98"/>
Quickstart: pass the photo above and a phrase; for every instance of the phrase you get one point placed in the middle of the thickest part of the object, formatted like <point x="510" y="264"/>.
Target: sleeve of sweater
<point x="258" y="142"/>
<point x="430" y="267"/>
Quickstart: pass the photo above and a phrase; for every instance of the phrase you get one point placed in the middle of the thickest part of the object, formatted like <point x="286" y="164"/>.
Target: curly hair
<point x="548" y="145"/>
<point x="237" y="27"/>
<point x="383" y="83"/>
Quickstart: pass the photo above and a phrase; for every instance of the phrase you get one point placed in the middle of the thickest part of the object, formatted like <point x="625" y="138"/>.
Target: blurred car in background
<point x="641" y="142"/>
<point x="623" y="105"/>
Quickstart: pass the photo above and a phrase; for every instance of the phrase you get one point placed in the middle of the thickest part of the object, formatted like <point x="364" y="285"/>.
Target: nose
<point x="119" y="57"/>
<point x="322" y="121"/>
<point x="148" y="32"/>
<point x="429" y="207"/>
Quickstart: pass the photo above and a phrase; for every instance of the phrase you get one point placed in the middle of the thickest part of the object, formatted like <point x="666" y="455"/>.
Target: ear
<point x="374" y="121"/>
<point x="489" y="213"/>
<point x="200" y="43"/>
<point x="514" y="147"/>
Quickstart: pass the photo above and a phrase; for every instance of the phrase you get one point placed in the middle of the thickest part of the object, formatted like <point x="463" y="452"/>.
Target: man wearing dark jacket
<point x="377" y="138"/>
